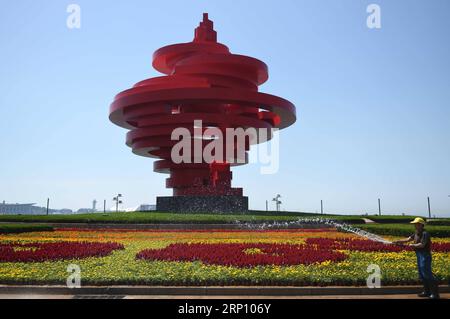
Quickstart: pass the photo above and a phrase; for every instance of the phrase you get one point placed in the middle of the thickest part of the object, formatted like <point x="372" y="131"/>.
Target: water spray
<point x="315" y="221"/>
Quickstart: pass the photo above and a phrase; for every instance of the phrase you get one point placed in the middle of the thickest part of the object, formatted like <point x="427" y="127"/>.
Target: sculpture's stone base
<point x="202" y="204"/>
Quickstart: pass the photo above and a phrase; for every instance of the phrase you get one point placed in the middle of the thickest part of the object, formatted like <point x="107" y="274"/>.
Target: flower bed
<point x="243" y="255"/>
<point x="37" y="252"/>
<point x="23" y="228"/>
<point x="366" y="245"/>
<point x="210" y="257"/>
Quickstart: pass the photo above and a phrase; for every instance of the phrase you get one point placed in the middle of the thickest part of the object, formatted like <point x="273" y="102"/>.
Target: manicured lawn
<point x="394" y="219"/>
<point x="22" y="228"/>
<point x="405" y="229"/>
<point x="440" y="222"/>
<point x="150" y="217"/>
<point x="221" y="257"/>
<point x="205" y="218"/>
<point x="162" y="218"/>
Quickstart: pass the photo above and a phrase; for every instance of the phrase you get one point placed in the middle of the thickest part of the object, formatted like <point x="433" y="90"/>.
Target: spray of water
<point x="314" y="221"/>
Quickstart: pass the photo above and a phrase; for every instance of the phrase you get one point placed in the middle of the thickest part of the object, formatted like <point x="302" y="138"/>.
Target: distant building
<point x="21" y="209"/>
<point x="64" y="211"/>
<point x="146" y="207"/>
<point x="89" y="210"/>
<point x="85" y="210"/>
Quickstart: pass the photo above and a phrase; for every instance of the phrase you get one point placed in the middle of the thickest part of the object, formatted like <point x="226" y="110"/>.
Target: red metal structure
<point x="202" y="81"/>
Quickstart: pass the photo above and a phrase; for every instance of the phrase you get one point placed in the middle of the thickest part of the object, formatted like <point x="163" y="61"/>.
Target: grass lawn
<point x="22" y="228"/>
<point x="405" y="229"/>
<point x="208" y="218"/>
<point x="162" y="218"/>
<point x="393" y="219"/>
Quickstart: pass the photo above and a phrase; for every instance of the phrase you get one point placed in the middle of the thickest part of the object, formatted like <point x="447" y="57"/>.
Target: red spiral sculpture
<point x="203" y="81"/>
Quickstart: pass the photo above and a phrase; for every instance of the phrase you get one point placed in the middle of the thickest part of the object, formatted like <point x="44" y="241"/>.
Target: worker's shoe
<point x="426" y="291"/>
<point x="434" y="288"/>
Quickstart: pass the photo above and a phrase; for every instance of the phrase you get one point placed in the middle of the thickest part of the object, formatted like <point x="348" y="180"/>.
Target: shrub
<point x="23" y="228"/>
<point x="405" y="229"/>
<point x="439" y="222"/>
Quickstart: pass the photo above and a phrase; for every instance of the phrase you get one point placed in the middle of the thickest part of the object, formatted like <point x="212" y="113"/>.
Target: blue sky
<point x="373" y="105"/>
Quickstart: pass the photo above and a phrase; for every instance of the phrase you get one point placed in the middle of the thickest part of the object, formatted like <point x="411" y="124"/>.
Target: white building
<point x="21" y="209"/>
<point x="142" y="208"/>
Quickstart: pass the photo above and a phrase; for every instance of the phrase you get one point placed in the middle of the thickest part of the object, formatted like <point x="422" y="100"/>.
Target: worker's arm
<point x="404" y="241"/>
<point x="418" y="245"/>
<point x="423" y="242"/>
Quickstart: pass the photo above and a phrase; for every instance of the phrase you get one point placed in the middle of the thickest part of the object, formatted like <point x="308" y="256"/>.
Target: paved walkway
<point x="212" y="290"/>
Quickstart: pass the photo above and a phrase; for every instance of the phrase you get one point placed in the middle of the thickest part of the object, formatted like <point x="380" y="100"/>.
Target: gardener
<point x="422" y="246"/>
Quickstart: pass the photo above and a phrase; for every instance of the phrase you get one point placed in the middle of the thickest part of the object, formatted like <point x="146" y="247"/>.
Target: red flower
<point x="366" y="245"/>
<point x="127" y="230"/>
<point x="18" y="252"/>
<point x="243" y="255"/>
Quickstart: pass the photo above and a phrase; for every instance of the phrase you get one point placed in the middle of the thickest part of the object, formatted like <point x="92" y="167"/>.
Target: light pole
<point x="379" y="207"/>
<point x="321" y="207"/>
<point x="48" y="203"/>
<point x="429" y="208"/>
<point x="277" y="201"/>
<point x="118" y="201"/>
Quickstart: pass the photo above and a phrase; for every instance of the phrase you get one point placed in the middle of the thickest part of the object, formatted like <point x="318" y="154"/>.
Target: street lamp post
<point x="321" y="207"/>
<point x="118" y="201"/>
<point x="429" y="208"/>
<point x="277" y="202"/>
<point x="379" y="206"/>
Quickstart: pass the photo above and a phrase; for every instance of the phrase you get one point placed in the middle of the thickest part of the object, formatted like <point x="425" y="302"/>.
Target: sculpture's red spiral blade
<point x="203" y="81"/>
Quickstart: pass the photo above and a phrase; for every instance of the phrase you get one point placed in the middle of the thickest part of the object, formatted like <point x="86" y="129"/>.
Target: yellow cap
<point x="418" y="220"/>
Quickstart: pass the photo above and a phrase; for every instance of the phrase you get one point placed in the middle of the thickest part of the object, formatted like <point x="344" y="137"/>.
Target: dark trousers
<point x="424" y="267"/>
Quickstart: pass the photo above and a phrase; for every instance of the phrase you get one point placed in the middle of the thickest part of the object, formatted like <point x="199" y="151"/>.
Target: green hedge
<point x="439" y="222"/>
<point x="199" y="218"/>
<point x="22" y="228"/>
<point x="349" y="220"/>
<point x="394" y="219"/>
<point x="405" y="229"/>
<point x="172" y="218"/>
<point x="146" y="218"/>
<point x="407" y="219"/>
